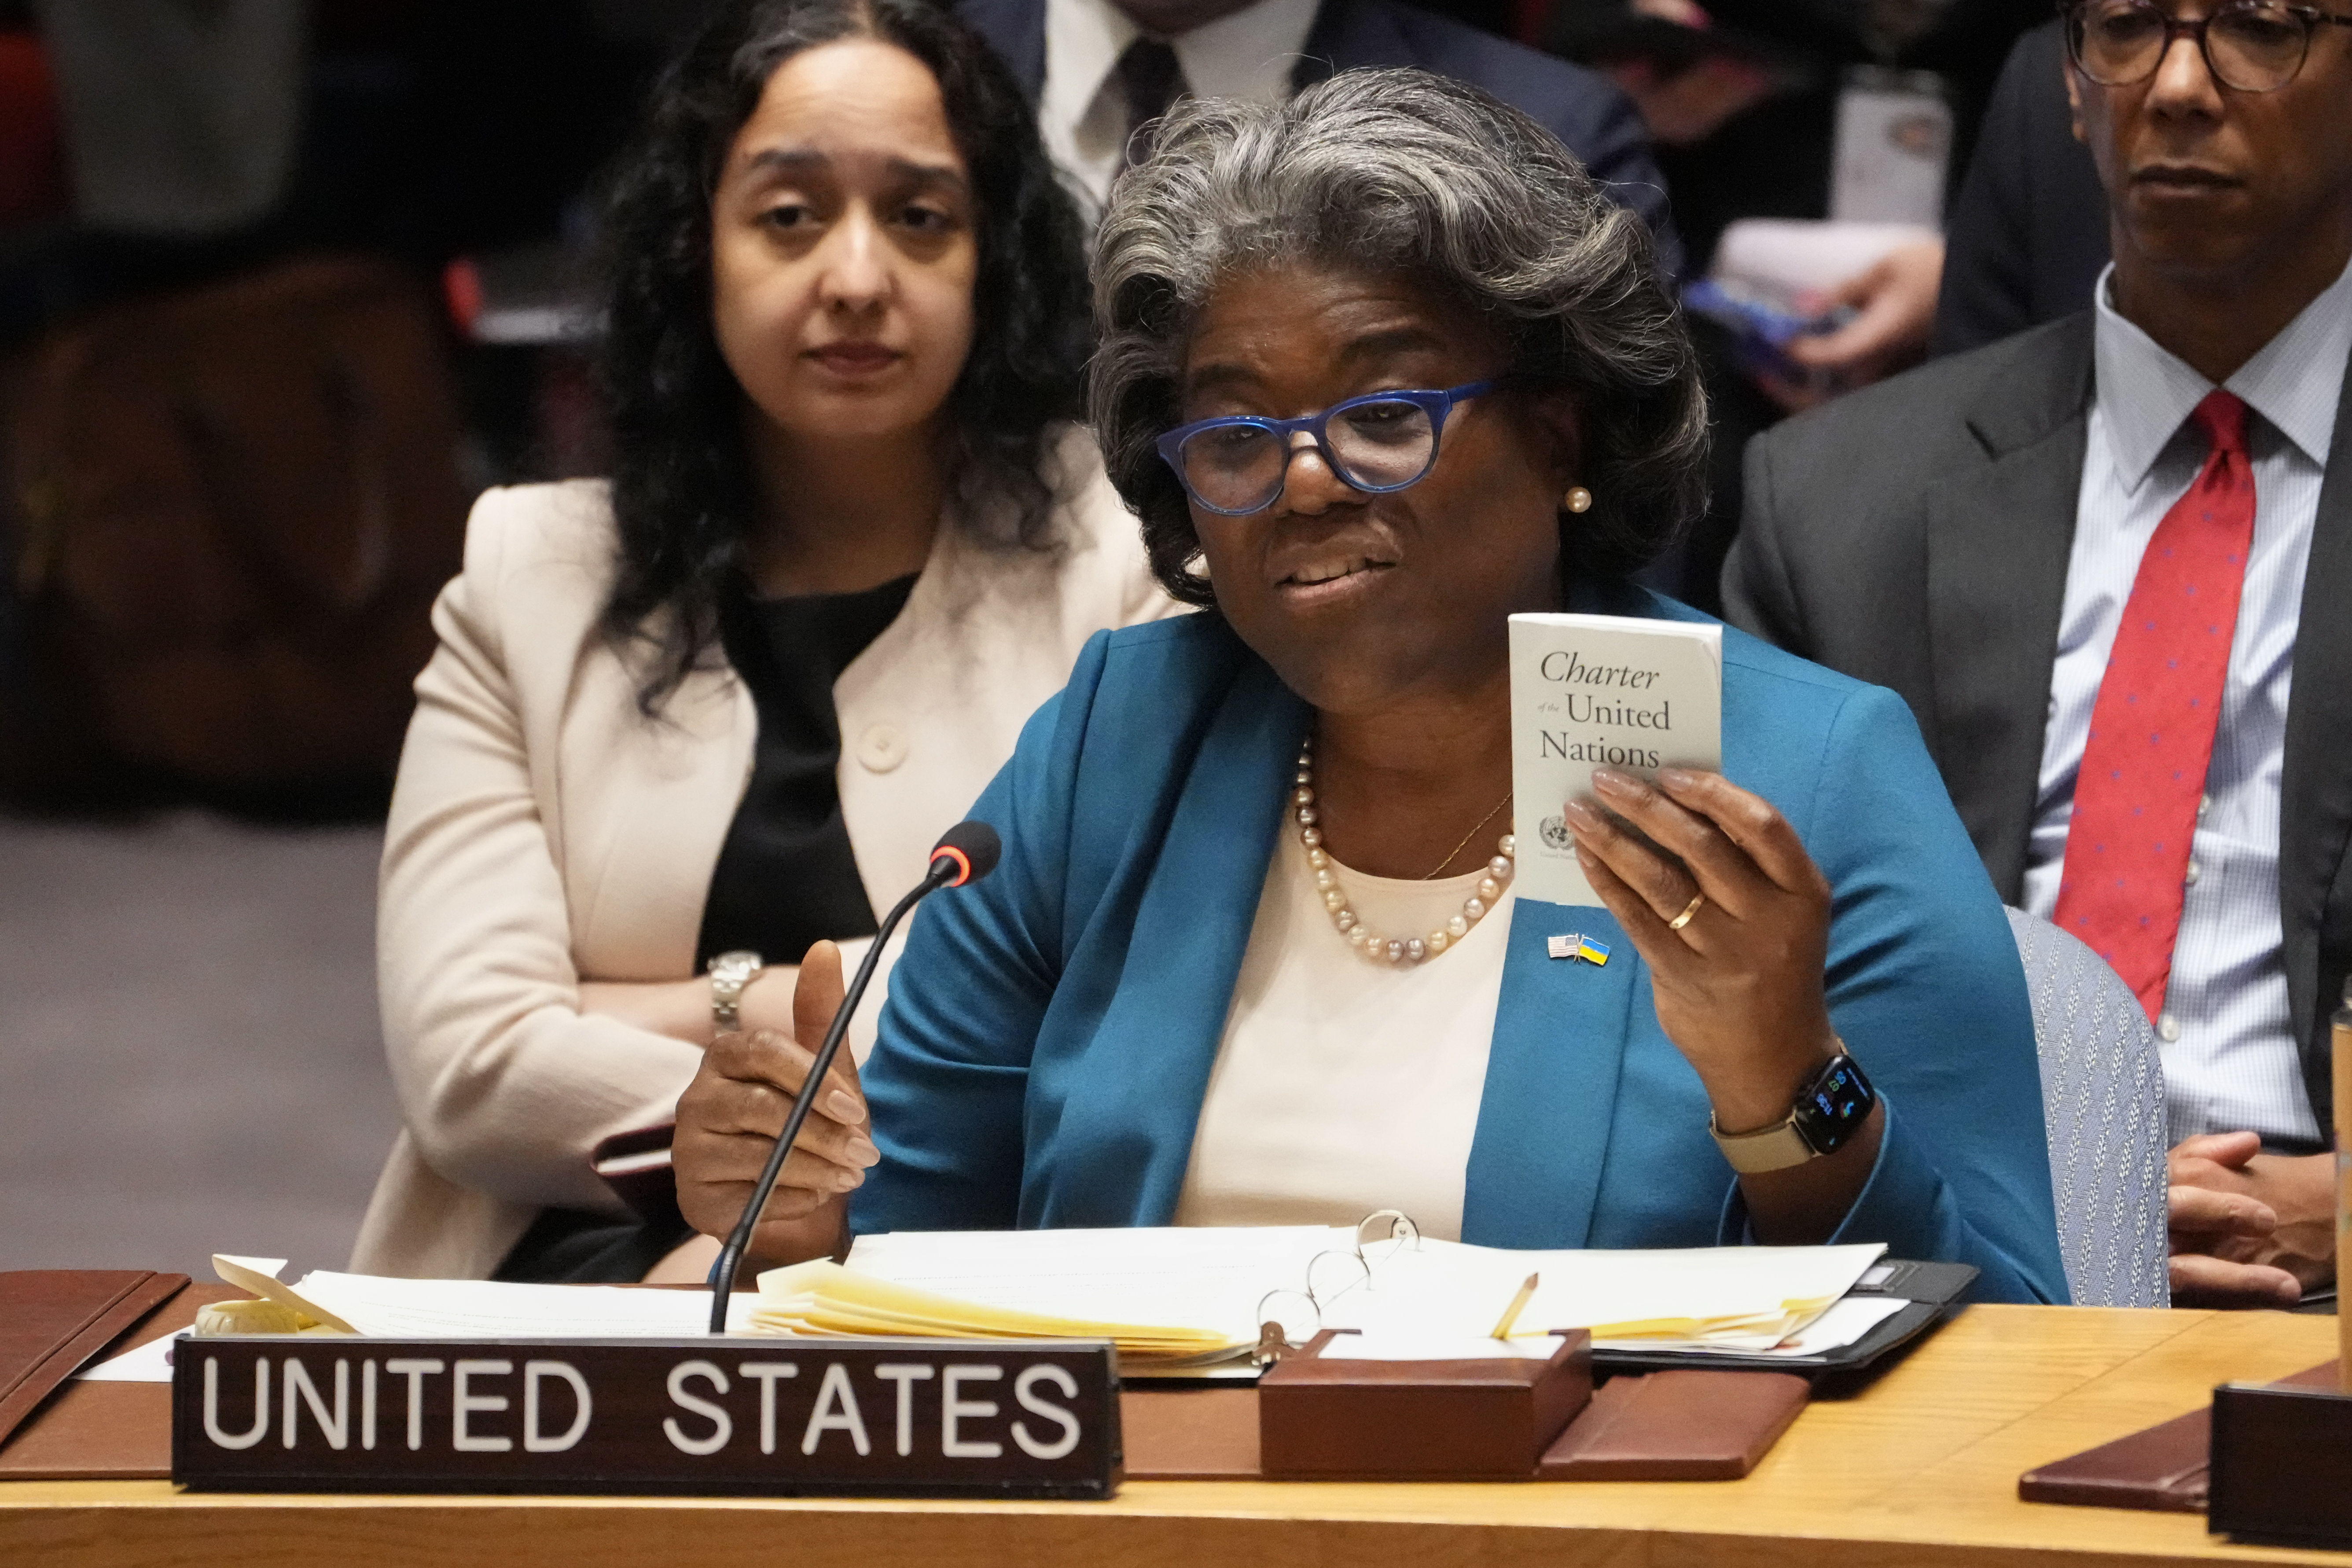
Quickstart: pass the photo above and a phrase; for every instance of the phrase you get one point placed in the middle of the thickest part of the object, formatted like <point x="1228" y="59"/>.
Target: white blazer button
<point x="2189" y="880"/>
<point x="2168" y="1027"/>
<point x="881" y="747"/>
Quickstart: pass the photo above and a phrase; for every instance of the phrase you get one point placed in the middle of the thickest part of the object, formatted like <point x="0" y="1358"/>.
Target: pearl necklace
<point x="1398" y="951"/>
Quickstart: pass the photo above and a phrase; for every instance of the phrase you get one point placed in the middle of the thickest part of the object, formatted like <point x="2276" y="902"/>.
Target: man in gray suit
<point x="1977" y="536"/>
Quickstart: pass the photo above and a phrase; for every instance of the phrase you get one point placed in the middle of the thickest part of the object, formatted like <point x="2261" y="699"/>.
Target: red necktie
<point x="2152" y="727"/>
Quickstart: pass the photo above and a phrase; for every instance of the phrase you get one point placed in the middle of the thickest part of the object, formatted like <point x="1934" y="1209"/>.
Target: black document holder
<point x="1932" y="1288"/>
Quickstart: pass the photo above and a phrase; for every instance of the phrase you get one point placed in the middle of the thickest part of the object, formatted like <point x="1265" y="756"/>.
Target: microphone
<point x="965" y="853"/>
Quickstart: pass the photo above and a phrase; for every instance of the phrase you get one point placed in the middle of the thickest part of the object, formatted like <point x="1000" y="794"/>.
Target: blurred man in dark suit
<point x="2106" y="562"/>
<point x="1099" y="69"/>
<point x="2029" y="232"/>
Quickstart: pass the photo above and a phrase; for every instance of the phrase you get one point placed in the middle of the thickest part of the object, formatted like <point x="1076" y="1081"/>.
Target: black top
<point x="785" y="877"/>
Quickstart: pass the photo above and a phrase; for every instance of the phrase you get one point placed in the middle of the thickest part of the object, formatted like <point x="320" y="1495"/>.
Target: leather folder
<point x="109" y="1431"/>
<point x="1678" y="1426"/>
<point x="54" y="1320"/>
<point x="2161" y="1469"/>
<point x="636" y="1165"/>
<point x="1931" y="1291"/>
<point x="1189" y="1434"/>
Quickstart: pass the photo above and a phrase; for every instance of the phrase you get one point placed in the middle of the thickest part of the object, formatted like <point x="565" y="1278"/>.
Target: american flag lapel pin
<point x="1573" y="946"/>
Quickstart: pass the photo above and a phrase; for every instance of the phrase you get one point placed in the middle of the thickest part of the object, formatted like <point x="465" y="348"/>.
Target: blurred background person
<point x="2029" y="231"/>
<point x="1769" y="118"/>
<point x="1744" y="96"/>
<point x="721" y="709"/>
<point x="232" y="464"/>
<point x="184" y="118"/>
<point x="1099" y="71"/>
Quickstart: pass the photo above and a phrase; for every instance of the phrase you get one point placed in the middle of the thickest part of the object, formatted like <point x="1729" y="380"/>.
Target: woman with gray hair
<point x="1381" y="368"/>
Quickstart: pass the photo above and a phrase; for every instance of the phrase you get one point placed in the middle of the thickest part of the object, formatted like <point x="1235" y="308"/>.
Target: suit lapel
<point x="1552" y="1082"/>
<point x="2315" y="791"/>
<point x="643" y="810"/>
<point x="1192" y="928"/>
<point x="1998" y="539"/>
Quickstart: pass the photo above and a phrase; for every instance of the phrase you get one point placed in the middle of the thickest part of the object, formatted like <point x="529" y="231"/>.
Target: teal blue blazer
<point x="1046" y="1044"/>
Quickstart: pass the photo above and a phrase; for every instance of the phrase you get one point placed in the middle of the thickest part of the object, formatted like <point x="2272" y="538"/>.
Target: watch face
<point x="1834" y="1104"/>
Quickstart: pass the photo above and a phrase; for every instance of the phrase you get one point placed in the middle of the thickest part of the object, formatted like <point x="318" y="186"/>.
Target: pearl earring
<point x="1578" y="498"/>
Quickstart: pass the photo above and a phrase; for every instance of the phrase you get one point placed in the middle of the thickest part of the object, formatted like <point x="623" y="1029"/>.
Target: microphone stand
<point x="945" y="869"/>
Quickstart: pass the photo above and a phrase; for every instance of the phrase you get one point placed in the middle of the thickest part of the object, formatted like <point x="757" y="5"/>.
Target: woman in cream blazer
<point x="545" y="833"/>
<point x="836" y="373"/>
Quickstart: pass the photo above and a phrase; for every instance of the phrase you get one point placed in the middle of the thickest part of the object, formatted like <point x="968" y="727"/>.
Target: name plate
<point x="913" y="1417"/>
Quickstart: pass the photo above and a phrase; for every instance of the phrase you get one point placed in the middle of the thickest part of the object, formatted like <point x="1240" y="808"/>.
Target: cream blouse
<point x="1343" y="1086"/>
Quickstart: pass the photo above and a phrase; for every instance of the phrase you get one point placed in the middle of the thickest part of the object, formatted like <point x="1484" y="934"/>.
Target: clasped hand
<point x="729" y="1117"/>
<point x="2248" y="1229"/>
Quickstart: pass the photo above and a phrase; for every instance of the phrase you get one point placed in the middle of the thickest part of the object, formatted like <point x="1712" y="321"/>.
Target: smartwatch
<point x="729" y="973"/>
<point x="1830" y="1109"/>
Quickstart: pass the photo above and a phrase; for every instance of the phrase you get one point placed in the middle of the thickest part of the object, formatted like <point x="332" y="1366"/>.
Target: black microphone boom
<point x="965" y="853"/>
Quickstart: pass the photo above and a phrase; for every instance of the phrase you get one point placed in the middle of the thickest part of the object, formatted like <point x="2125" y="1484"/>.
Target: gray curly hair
<point x="1402" y="171"/>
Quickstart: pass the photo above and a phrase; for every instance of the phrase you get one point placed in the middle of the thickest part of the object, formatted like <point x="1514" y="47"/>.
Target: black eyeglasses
<point x="2253" y="46"/>
<point x="1235" y="465"/>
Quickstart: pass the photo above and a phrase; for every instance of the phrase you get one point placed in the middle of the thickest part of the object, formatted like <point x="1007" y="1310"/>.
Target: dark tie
<point x="1154" y="81"/>
<point x="2152" y="723"/>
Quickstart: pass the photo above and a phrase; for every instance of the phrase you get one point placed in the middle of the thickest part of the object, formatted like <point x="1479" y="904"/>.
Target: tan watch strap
<point x="1773" y="1148"/>
<point x="729" y="973"/>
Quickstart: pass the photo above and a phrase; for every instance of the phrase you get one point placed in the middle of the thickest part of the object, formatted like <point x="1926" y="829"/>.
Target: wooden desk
<point x="1920" y="1469"/>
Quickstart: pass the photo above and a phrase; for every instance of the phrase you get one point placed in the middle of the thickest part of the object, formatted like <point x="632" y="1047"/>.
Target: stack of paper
<point x="494" y="1309"/>
<point x="1710" y="1299"/>
<point x="1169" y="1297"/>
<point x="824" y="1299"/>
<point x="1745" y="1299"/>
<point x="1172" y="1297"/>
<point x="1206" y="1277"/>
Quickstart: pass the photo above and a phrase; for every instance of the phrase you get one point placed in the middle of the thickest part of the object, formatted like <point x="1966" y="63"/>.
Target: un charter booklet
<point x="1636" y="695"/>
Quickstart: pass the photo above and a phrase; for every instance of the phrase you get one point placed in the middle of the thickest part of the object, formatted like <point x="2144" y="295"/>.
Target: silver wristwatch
<point x="1830" y="1109"/>
<point x="729" y="973"/>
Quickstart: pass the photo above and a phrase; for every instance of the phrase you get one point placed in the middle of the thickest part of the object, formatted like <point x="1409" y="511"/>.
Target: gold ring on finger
<point x="1689" y="910"/>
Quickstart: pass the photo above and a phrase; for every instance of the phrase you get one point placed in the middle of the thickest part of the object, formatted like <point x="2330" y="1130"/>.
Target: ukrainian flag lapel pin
<point x="1573" y="946"/>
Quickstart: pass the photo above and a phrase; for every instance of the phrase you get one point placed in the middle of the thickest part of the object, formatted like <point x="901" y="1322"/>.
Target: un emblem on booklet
<point x="1554" y="832"/>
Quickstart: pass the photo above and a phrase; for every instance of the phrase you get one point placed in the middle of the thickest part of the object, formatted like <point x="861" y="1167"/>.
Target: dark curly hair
<point x="682" y="486"/>
<point x="1399" y="170"/>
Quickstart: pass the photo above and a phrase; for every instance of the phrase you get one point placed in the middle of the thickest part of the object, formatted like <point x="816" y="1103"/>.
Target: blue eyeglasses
<point x="1236" y="464"/>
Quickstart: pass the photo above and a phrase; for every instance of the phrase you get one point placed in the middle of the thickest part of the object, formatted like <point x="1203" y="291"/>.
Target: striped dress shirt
<point x="2230" y="1060"/>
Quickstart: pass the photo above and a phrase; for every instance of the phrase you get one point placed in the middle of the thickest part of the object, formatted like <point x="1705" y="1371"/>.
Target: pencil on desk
<point x="1518" y="1304"/>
